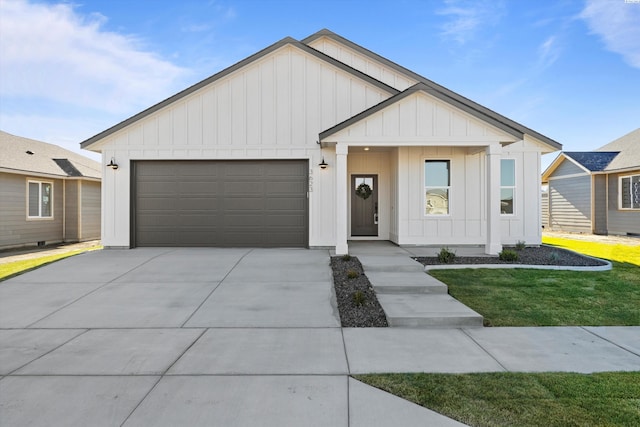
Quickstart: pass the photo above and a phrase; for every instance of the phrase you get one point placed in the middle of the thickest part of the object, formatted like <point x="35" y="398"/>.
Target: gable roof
<point x="474" y="108"/>
<point x="618" y="155"/>
<point x="418" y="87"/>
<point x="28" y="156"/>
<point x="591" y="160"/>
<point x="441" y="92"/>
<point x="286" y="41"/>
<point x="629" y="148"/>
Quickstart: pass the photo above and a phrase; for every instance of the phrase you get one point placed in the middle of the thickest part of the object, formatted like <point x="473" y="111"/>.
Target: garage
<point x="220" y="203"/>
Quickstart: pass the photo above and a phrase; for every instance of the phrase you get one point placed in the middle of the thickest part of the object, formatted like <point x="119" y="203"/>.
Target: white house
<point x="315" y="143"/>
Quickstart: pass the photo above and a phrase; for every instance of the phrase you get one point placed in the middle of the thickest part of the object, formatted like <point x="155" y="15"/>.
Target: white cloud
<point x="618" y="24"/>
<point x="548" y="52"/>
<point x="468" y="17"/>
<point x="52" y="53"/>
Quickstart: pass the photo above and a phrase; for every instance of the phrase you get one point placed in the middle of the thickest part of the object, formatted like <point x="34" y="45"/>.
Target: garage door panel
<point x="244" y="188"/>
<point x="221" y="203"/>
<point x="246" y="169"/>
<point x="199" y="221"/>
<point x="199" y="202"/>
<point x="198" y="187"/>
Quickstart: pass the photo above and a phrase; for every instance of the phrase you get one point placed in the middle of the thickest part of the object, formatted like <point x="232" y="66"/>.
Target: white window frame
<point x="509" y="187"/>
<point x="620" y="178"/>
<point x="39" y="216"/>
<point x="425" y="188"/>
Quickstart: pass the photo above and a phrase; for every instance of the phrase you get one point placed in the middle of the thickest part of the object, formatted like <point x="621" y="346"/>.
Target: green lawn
<point x="515" y="297"/>
<point x="522" y="399"/>
<point x="18" y="267"/>
<point x="523" y="297"/>
<point x="527" y="297"/>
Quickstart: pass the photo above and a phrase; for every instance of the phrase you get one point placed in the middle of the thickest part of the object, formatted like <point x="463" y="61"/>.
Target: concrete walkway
<point x="236" y="337"/>
<point x="408" y="296"/>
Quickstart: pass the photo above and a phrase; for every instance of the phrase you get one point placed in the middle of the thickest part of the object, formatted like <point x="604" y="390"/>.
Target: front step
<point x="428" y="311"/>
<point x="375" y="263"/>
<point x="405" y="283"/>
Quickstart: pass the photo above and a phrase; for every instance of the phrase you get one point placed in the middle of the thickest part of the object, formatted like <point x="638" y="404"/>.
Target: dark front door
<point x="364" y="205"/>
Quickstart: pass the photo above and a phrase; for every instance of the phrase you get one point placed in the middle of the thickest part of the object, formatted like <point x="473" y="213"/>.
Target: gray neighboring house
<point x="47" y="194"/>
<point x="595" y="191"/>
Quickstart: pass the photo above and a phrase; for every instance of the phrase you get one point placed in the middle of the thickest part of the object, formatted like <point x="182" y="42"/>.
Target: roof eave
<point x="446" y="92"/>
<point x="256" y="56"/>
<point x="418" y="87"/>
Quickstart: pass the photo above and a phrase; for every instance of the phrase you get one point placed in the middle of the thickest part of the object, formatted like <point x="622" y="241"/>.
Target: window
<point x="507" y="185"/>
<point x="629" y="192"/>
<point x="40" y="199"/>
<point x="437" y="185"/>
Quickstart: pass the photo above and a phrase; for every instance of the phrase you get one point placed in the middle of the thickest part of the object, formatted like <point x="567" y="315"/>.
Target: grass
<point x="508" y="297"/>
<point x="522" y="399"/>
<point x="527" y="297"/>
<point x="15" y="268"/>
<point x="614" y="252"/>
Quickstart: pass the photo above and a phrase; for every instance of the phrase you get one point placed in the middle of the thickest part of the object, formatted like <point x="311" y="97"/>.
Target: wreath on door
<point x="363" y="191"/>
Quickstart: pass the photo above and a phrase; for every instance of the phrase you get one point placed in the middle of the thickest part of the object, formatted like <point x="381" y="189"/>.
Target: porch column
<point x="494" y="228"/>
<point x="341" y="199"/>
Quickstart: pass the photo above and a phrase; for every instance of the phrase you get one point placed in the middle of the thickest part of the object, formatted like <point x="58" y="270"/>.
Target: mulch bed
<point x="366" y="314"/>
<point x="543" y="255"/>
<point x="369" y="313"/>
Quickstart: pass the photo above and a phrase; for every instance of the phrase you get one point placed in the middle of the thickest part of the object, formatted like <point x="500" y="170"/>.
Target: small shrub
<point x="359" y="298"/>
<point x="520" y="245"/>
<point x="352" y="274"/>
<point x="346" y="257"/>
<point x="555" y="257"/>
<point x="446" y="256"/>
<point x="508" y="255"/>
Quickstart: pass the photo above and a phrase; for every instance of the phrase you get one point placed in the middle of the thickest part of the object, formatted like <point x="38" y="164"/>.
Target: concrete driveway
<point x="237" y="337"/>
<point x="225" y="337"/>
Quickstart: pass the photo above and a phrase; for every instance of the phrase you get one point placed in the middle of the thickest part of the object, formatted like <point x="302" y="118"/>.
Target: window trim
<point x="620" y="178"/>
<point x="513" y="187"/>
<point x="39" y="217"/>
<point x="425" y="187"/>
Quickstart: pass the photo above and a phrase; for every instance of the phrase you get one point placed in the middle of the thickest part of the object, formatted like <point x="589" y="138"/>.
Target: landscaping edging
<point x="606" y="267"/>
<point x="600" y="264"/>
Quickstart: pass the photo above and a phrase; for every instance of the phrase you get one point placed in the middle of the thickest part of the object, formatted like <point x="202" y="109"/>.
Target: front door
<point x="364" y="205"/>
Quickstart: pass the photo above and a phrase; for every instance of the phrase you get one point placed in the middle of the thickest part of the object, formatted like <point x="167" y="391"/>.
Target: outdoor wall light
<point x="112" y="164"/>
<point x="323" y="164"/>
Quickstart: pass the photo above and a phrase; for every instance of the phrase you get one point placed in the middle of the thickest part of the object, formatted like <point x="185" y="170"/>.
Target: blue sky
<point x="570" y="69"/>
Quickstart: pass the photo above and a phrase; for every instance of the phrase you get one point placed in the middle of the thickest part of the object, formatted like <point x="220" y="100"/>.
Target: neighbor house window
<point x="40" y="200"/>
<point x="437" y="187"/>
<point x="507" y="185"/>
<point x="630" y="192"/>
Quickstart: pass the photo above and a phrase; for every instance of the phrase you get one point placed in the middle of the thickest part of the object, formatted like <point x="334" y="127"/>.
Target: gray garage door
<point x="242" y="203"/>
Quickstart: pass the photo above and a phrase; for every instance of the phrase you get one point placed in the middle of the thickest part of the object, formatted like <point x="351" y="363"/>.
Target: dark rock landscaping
<point x="359" y="306"/>
<point x="542" y="255"/>
<point x="357" y="302"/>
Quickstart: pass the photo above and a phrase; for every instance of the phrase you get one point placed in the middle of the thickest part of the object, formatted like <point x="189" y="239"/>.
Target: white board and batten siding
<point x="426" y="128"/>
<point x="363" y="63"/>
<point x="273" y="108"/>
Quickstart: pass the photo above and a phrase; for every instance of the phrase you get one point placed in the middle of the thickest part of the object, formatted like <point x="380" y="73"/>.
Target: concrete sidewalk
<point x="237" y="337"/>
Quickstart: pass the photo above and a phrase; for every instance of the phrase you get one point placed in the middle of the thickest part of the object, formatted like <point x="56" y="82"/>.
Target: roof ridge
<point x="436" y="86"/>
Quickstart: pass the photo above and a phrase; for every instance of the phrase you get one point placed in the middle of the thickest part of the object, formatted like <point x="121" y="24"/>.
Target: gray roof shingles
<point x="592" y="160"/>
<point x="45" y="158"/>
